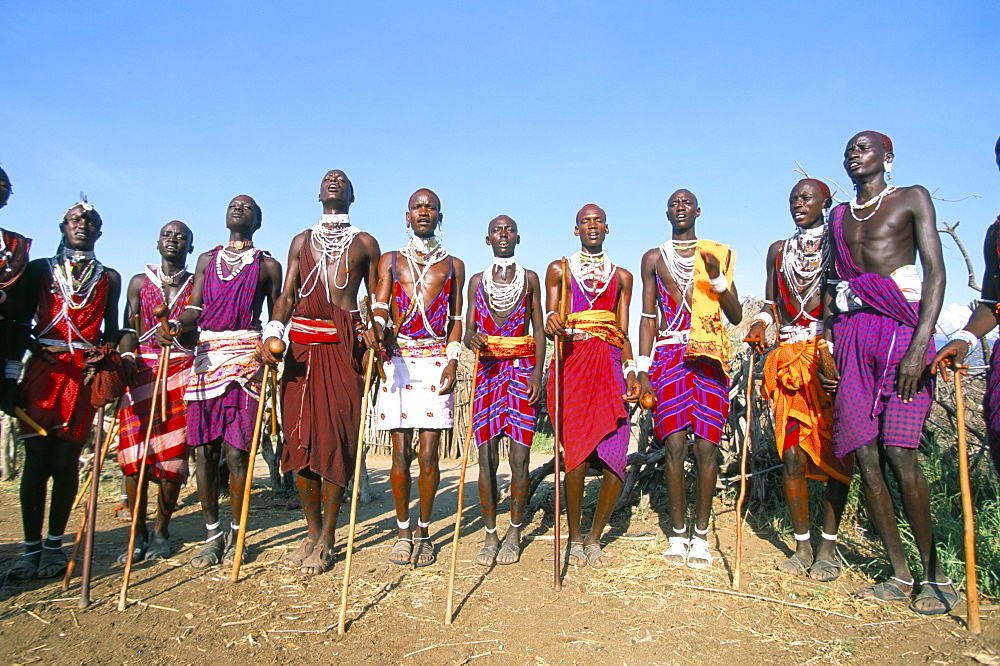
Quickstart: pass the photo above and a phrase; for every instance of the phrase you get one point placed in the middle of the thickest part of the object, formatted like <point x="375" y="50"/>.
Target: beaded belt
<point x="800" y="333"/>
<point x="673" y="337"/>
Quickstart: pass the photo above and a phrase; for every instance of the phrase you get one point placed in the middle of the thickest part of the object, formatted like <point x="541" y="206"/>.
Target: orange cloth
<point x="602" y="324"/>
<point x="791" y="380"/>
<point x="708" y="337"/>
<point x="500" y="346"/>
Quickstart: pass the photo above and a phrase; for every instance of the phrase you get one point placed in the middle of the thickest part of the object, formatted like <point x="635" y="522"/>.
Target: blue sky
<point x="163" y="111"/>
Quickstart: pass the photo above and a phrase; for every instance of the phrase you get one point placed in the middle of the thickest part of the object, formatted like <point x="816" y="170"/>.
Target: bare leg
<point x="427" y="483"/>
<point x="706" y="455"/>
<point x="833" y="509"/>
<point x="675" y="451"/>
<point x="489" y="461"/>
<point x="797" y="494"/>
<point x="138" y="504"/>
<point x="575" y="481"/>
<point x="881" y="510"/>
<point x="238" y="462"/>
<point x="308" y="484"/>
<point x="321" y="558"/>
<point x="402" y="457"/>
<point x="518" y="457"/>
<point x="166" y="503"/>
<point x="207" y="457"/>
<point x="611" y="487"/>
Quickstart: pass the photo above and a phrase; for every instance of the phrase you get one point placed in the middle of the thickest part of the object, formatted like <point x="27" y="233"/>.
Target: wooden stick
<point x="32" y="423"/>
<point x="274" y="403"/>
<point x="276" y="347"/>
<point x="971" y="587"/>
<point x="158" y="385"/>
<point x="450" y="604"/>
<point x="71" y="565"/>
<point x="164" y="396"/>
<point x="557" y="429"/>
<point x="355" y="489"/>
<point x="737" y="568"/>
<point x="88" y="546"/>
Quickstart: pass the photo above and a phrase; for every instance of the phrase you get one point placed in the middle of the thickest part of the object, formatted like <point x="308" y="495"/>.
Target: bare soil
<point x="640" y="610"/>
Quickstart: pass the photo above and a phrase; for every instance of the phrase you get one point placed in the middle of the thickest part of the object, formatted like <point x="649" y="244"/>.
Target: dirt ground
<point x="639" y="611"/>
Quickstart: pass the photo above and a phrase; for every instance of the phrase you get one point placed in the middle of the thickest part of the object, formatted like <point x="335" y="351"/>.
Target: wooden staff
<point x="971" y="587"/>
<point x="450" y="605"/>
<point x="352" y="527"/>
<point x="277" y="348"/>
<point x="557" y="426"/>
<point x="743" y="473"/>
<point x="30" y="422"/>
<point x="88" y="546"/>
<point x="71" y="565"/>
<point x="159" y="389"/>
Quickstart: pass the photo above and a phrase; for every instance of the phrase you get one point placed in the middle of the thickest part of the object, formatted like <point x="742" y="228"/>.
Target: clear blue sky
<point x="167" y="110"/>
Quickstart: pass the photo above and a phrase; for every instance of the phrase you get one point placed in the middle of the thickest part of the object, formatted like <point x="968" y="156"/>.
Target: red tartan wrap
<point x="305" y="331"/>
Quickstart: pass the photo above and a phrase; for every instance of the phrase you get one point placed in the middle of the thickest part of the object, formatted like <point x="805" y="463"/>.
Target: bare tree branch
<point x="950" y="229"/>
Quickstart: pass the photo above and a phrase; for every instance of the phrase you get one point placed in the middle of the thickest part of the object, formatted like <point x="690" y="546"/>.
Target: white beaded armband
<point x="763" y="317"/>
<point x="453" y="351"/>
<point x="273" y="329"/>
<point x="455" y="317"/>
<point x="627" y="367"/>
<point x="195" y="307"/>
<point x="12" y="370"/>
<point x="965" y="336"/>
<point x="720" y="284"/>
<point x="643" y="363"/>
<point x="380" y="320"/>
<point x="130" y="355"/>
<point x="379" y="305"/>
<point x="549" y="314"/>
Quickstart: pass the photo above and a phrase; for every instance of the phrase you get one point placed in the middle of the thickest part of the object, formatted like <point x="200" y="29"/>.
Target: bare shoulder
<point x="624" y="276"/>
<point x="776" y="247"/>
<point x="270" y="263"/>
<point x="370" y="243"/>
<point x="531" y="277"/>
<point x="914" y="194"/>
<point x="135" y="284"/>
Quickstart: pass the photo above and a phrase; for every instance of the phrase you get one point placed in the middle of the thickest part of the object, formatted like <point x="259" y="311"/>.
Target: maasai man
<point x="323" y="376"/>
<point x="168" y="284"/>
<point x="231" y="283"/>
<point x="882" y="332"/>
<point x="685" y="280"/>
<point x="503" y="300"/>
<point x="419" y="295"/>
<point x="13" y="328"/>
<point x="983" y="320"/>
<point x="796" y="269"/>
<point x="598" y="374"/>
<point x="71" y="297"/>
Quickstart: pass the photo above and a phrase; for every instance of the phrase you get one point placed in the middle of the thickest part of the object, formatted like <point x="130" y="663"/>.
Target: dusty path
<point x="641" y="610"/>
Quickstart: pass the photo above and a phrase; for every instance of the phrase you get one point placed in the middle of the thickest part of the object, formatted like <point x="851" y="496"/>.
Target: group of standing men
<point x="850" y="382"/>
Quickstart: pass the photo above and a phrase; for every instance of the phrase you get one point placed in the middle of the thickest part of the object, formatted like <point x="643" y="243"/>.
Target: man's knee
<point x="794" y="460"/>
<point x="675" y="448"/>
<point x="428" y="458"/>
<point x="705" y="453"/>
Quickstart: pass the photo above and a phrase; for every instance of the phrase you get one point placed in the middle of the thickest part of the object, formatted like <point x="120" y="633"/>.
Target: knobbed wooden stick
<point x="157" y="402"/>
<point x="557" y="428"/>
<point x="71" y="565"/>
<point x="355" y="488"/>
<point x="737" y="568"/>
<point x="30" y="422"/>
<point x="971" y="587"/>
<point x="277" y="348"/>
<point x="450" y="605"/>
<point x="88" y="546"/>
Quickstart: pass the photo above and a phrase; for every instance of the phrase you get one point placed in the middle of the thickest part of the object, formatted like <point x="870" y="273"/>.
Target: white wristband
<point x="829" y="345"/>
<point x="273" y="329"/>
<point x="12" y="370"/>
<point x="643" y="363"/>
<point x="764" y="318"/>
<point x="720" y="284"/>
<point x="380" y="320"/>
<point x="965" y="336"/>
<point x="130" y="355"/>
<point x="627" y="367"/>
<point x="379" y="305"/>
<point x="453" y="351"/>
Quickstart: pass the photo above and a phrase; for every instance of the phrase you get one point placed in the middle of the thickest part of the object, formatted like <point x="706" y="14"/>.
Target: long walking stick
<point x="157" y="401"/>
<point x="971" y="587"/>
<point x="450" y="605"/>
<point x="71" y="566"/>
<point x="88" y="546"/>
<point x="743" y="474"/>
<point x="557" y="429"/>
<point x="355" y="489"/>
<point x="276" y="347"/>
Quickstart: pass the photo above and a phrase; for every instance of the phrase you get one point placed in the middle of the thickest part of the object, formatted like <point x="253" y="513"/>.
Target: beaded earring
<point x="888" y="170"/>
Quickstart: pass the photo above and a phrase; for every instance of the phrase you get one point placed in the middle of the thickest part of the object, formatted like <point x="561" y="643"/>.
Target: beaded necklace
<point x="421" y="254"/>
<point x="681" y="269"/>
<point x="331" y="238"/>
<point x="595" y="269"/>
<point x="804" y="260"/>
<point x="503" y="296"/>
<point x="237" y="255"/>
<point x="874" y="201"/>
<point x="75" y="291"/>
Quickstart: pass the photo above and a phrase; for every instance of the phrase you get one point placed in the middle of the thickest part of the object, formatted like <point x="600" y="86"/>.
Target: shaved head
<point x="591" y="208"/>
<point x="498" y="219"/>
<point x="878" y="137"/>
<point x="682" y="191"/>
<point x="427" y="192"/>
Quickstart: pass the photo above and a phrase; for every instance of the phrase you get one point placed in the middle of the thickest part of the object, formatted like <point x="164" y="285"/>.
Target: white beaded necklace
<point x="804" y="261"/>
<point x="594" y="268"/>
<point x="235" y="261"/>
<point x="421" y="254"/>
<point x="331" y="237"/>
<point x="874" y="201"/>
<point x="75" y="292"/>
<point x="503" y="297"/>
<point x="681" y="269"/>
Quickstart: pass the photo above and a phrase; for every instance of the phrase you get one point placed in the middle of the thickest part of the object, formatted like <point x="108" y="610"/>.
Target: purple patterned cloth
<point x="228" y="306"/>
<point x="870" y="343"/>
<point x="991" y="406"/>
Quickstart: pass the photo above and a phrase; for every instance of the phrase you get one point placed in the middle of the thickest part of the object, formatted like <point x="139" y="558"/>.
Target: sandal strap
<point x="398" y="539"/>
<point x="900" y="580"/>
<point x="34" y="552"/>
<point x="945" y="583"/>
